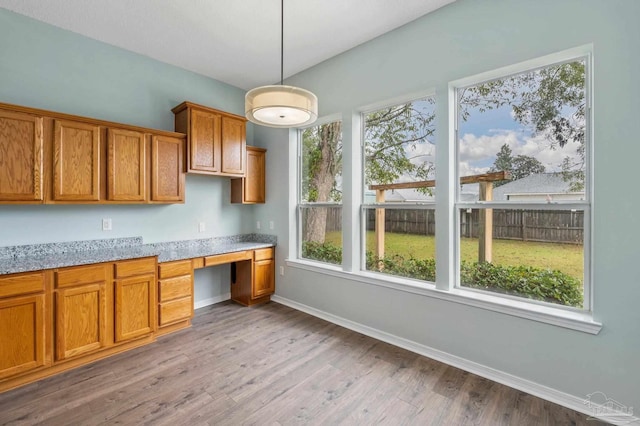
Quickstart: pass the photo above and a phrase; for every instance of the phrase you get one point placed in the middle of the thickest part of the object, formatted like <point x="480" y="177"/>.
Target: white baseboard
<point x="557" y="397"/>
<point x="211" y="301"/>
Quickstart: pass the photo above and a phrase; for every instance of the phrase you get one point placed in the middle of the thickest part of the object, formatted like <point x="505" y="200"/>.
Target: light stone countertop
<point x="37" y="257"/>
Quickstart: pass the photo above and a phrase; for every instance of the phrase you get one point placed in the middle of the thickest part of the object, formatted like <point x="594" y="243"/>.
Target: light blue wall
<point x="463" y="39"/>
<point x="45" y="67"/>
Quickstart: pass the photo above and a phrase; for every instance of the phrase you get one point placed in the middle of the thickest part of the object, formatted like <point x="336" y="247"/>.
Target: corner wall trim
<point x="212" y="301"/>
<point x="552" y="395"/>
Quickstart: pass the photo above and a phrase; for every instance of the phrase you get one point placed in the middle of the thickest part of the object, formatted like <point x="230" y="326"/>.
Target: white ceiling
<point x="234" y="41"/>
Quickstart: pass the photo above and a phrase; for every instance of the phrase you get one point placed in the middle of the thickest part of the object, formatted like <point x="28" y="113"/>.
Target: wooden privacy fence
<point x="526" y="225"/>
<point x="553" y="226"/>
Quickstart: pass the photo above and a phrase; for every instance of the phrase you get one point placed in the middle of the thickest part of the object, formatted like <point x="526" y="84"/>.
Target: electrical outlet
<point x="107" y="225"/>
<point x="258" y="225"/>
<point x="271" y="225"/>
<point x="201" y="227"/>
<point x="282" y="270"/>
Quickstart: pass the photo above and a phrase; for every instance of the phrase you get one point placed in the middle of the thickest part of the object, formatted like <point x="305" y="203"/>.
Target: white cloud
<point x="421" y="153"/>
<point x="477" y="151"/>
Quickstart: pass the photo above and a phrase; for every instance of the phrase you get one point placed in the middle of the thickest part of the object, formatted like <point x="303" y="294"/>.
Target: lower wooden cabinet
<point x="80" y="299"/>
<point x="80" y="320"/>
<point x="175" y="293"/>
<point x="54" y="320"/>
<point x="135" y="299"/>
<point x="25" y="321"/>
<point x="263" y="278"/>
<point x="22" y="334"/>
<point x="254" y="279"/>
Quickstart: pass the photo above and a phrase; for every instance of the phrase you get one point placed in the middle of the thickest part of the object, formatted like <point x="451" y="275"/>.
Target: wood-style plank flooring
<point x="273" y="365"/>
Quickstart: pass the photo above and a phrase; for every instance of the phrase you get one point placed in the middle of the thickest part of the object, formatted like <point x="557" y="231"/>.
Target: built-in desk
<point x="63" y="305"/>
<point x="252" y="281"/>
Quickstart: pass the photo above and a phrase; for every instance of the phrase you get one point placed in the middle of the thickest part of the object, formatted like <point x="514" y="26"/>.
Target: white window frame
<point x="586" y="205"/>
<point x="300" y="204"/>
<point x="445" y="288"/>
<point x="391" y="206"/>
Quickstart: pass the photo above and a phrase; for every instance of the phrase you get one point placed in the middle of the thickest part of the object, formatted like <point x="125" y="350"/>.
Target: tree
<point x="322" y="156"/>
<point x="392" y="135"/>
<point x="523" y="166"/>
<point x="519" y="166"/>
<point x="551" y="101"/>
<point x="504" y="160"/>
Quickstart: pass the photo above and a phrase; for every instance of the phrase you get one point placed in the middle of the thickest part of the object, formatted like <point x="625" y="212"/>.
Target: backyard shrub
<point x="324" y="252"/>
<point x="525" y="281"/>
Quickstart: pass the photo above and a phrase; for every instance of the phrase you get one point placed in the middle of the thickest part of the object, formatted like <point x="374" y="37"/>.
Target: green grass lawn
<point x="567" y="258"/>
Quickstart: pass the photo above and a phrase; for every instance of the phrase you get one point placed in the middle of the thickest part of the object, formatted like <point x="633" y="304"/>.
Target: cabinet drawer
<point x="263" y="254"/>
<point x="227" y="258"/>
<point x="129" y="268"/>
<point x="175" y="310"/>
<point x="80" y="275"/>
<point x="173" y="288"/>
<point x="14" y="285"/>
<point x="174" y="269"/>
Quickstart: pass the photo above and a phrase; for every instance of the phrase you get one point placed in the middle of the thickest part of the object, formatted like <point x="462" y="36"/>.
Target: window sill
<point x="579" y="321"/>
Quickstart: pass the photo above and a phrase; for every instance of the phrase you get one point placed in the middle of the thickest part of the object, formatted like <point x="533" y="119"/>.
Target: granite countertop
<point x="57" y="255"/>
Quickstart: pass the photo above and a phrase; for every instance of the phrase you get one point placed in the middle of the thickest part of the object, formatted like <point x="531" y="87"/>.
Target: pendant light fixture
<point x="280" y="105"/>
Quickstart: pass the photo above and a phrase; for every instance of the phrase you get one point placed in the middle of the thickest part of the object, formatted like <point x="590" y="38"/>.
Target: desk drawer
<point x="220" y="259"/>
<point x="263" y="254"/>
<point x="173" y="288"/>
<point x="175" y="310"/>
<point x="174" y="269"/>
<point x="14" y="285"/>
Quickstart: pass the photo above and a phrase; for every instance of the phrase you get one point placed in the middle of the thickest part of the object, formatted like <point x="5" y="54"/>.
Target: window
<point x="513" y="196"/>
<point x="523" y="200"/>
<point x="398" y="213"/>
<point x="320" y="197"/>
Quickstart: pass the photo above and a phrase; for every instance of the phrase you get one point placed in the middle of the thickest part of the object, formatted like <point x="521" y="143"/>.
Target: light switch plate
<point x="107" y="225"/>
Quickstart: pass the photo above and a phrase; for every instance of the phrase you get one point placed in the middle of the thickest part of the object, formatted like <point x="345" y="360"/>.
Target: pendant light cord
<point x="281" y="42"/>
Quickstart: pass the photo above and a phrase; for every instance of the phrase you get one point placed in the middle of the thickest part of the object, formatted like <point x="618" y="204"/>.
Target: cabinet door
<point x="135" y="302"/>
<point x="234" y="146"/>
<point x="76" y="162"/>
<point x="263" y="278"/>
<point x="22" y="330"/>
<point x="254" y="182"/>
<point x="167" y="177"/>
<point x="20" y="157"/>
<point x="80" y="320"/>
<point x="204" y="142"/>
<point x="126" y="166"/>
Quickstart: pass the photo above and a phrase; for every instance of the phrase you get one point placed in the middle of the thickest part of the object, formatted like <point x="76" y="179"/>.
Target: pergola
<point x="485" y="240"/>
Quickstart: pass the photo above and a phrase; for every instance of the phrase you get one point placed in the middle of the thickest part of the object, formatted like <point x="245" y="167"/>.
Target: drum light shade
<point x="281" y="106"/>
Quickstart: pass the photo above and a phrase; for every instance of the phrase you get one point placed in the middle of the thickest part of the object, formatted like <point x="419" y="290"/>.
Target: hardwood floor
<point x="272" y="365"/>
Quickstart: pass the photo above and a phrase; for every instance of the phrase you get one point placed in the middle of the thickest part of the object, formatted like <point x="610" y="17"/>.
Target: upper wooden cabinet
<point x="49" y="157"/>
<point x="216" y="140"/>
<point x="251" y="188"/>
<point x="76" y="161"/>
<point x="204" y="135"/>
<point x="167" y="176"/>
<point x="126" y="166"/>
<point x="21" y="172"/>
<point x="234" y="146"/>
